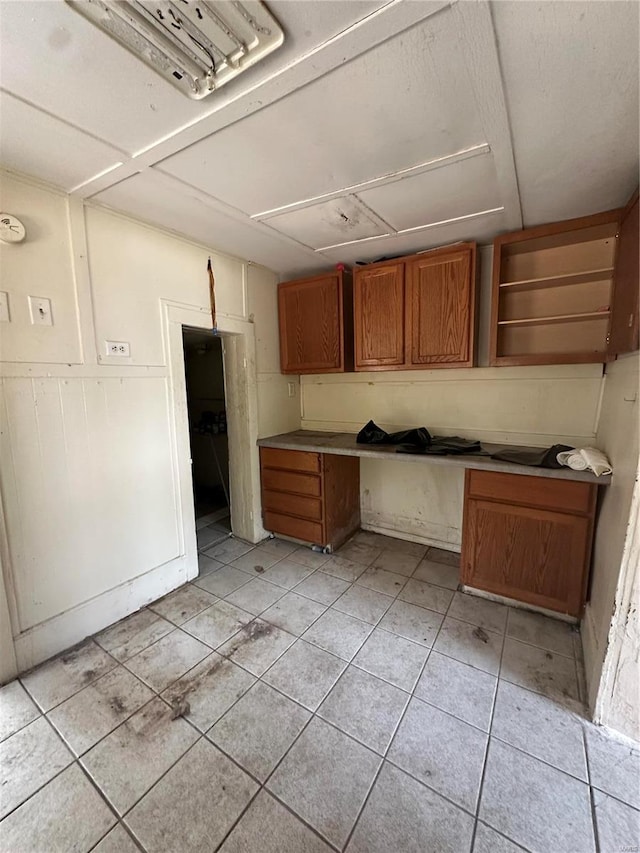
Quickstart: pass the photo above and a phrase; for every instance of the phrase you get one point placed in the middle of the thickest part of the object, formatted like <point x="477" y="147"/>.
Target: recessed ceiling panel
<point x="456" y="190"/>
<point x="482" y="230"/>
<point x="163" y="201"/>
<point x="400" y="104"/>
<point x="34" y="142"/>
<point x="571" y="82"/>
<point x="329" y="222"/>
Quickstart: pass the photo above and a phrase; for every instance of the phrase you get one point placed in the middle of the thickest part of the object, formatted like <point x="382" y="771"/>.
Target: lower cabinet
<point x="314" y="497"/>
<point x="528" y="538"/>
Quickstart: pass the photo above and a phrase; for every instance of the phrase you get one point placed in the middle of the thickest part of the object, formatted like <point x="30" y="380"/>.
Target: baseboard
<point x="377" y="523"/>
<point x="65" y="630"/>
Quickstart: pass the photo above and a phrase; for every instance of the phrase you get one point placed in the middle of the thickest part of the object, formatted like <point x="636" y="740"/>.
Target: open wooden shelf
<point x="557" y="318"/>
<point x="553" y="292"/>
<point x="559" y="280"/>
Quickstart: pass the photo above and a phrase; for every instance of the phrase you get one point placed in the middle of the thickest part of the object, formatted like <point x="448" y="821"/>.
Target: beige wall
<point x="92" y="488"/>
<point x="618" y="436"/>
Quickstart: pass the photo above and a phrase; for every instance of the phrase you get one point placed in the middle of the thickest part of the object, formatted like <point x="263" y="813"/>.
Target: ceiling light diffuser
<point x="198" y="45"/>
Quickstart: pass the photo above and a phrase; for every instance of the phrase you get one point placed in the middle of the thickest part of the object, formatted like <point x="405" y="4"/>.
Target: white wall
<point x="617" y="435"/>
<point x="277" y="411"/>
<point x="91" y="483"/>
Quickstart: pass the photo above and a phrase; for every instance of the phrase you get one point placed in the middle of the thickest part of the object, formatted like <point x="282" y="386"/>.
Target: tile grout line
<point x="491" y="716"/>
<point x="592" y="803"/>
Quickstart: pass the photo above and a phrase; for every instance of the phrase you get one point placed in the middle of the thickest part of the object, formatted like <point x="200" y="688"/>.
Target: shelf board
<point x="558" y="280"/>
<point x="558" y="318"/>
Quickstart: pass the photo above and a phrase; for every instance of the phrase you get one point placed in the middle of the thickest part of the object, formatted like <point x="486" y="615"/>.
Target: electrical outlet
<point x="291" y="387"/>
<point x="120" y="349"/>
<point x="5" y="317"/>
<point x="40" y="310"/>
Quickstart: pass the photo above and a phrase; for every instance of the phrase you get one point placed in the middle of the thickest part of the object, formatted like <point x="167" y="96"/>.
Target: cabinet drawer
<point x="291" y="460"/>
<point x="523" y="490"/>
<point x="289" y="481"/>
<point x="309" y="508"/>
<point x="298" y="528"/>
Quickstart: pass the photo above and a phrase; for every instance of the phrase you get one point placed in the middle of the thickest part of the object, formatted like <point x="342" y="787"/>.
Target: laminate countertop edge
<point x="344" y="444"/>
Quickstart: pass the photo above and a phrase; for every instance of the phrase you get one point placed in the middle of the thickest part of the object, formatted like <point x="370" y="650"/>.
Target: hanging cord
<point x="212" y="295"/>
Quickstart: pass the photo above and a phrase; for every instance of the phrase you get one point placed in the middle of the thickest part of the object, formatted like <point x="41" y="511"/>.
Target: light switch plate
<point x="40" y="309"/>
<point x="5" y="316"/>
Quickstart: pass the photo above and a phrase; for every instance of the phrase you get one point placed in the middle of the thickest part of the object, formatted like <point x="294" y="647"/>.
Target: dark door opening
<point x="204" y="373"/>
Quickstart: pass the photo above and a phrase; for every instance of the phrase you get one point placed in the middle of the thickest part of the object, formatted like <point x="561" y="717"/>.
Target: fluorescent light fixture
<point x="198" y="45"/>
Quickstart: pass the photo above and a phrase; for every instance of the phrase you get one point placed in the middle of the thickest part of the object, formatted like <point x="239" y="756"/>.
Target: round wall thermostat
<point x="11" y="229"/>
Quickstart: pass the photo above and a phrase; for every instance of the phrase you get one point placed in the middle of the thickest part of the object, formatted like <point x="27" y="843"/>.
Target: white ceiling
<point x="378" y="128"/>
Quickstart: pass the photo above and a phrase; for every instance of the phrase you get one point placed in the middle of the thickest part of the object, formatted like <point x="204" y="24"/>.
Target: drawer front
<point x="302" y="507"/>
<point x="523" y="490"/>
<point x="290" y="460"/>
<point x="298" y="528"/>
<point x="289" y="481"/>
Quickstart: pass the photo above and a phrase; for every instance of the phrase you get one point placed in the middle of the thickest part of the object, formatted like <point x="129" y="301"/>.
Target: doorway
<point x="208" y="436"/>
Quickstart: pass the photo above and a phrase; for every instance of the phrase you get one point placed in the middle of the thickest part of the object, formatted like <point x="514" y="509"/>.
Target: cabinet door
<point x="623" y="332"/>
<point x="441" y="303"/>
<point x="532" y="555"/>
<point x="378" y="303"/>
<point x="311" y="325"/>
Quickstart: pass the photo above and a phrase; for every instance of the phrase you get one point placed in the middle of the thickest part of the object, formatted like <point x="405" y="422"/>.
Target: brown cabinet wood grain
<point x="321" y="508"/>
<point x="417" y="311"/>
<point x="379" y="317"/>
<point x="522" y="541"/>
<point x="315" y="317"/>
<point x="441" y="308"/>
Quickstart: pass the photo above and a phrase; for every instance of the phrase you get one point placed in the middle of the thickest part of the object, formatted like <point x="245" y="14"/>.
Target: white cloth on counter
<point x="586" y="458"/>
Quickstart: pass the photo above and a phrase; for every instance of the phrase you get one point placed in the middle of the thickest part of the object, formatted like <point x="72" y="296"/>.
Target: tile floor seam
<point x="128" y="811"/>
<point x="384" y="757"/>
<point x="298" y="636"/>
<point x="541" y="648"/>
<point x="22" y="675"/>
<point x="614" y="797"/>
<point x="38" y="789"/>
<point x="537" y="758"/>
<point x="111" y="731"/>
<point x="592" y="804"/>
<point x="15" y="732"/>
<point x="484" y="822"/>
<point x="490" y="729"/>
<point x="432" y="789"/>
<point x="314" y="714"/>
<point x="301" y="819"/>
<point x="75" y="759"/>
<point x="125" y="829"/>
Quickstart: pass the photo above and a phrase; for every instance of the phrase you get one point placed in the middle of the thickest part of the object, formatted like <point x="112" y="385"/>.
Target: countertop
<point x="344" y="444"/>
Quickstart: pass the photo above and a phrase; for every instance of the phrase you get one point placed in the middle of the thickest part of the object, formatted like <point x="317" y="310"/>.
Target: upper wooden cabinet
<point x="313" y="314"/>
<point x="441" y="308"/>
<point x="566" y="292"/>
<point x="379" y="311"/>
<point x="416" y="312"/>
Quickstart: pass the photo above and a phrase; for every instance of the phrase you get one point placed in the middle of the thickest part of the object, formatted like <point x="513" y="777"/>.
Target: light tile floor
<point x="350" y="702"/>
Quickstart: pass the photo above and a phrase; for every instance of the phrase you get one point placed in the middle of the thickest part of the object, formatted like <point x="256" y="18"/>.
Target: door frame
<point x="241" y="400"/>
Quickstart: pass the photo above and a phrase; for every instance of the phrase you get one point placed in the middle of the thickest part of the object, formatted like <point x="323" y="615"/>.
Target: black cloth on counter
<point x="447" y="445"/>
<point x="533" y="456"/>
<point x="372" y="434"/>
